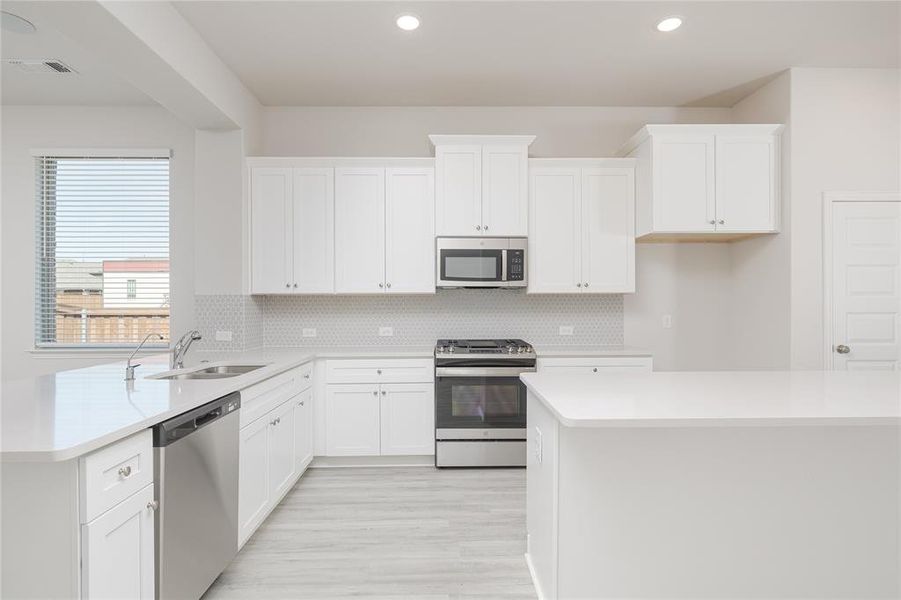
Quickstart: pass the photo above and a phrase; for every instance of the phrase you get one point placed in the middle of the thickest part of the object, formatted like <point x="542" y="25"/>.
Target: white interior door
<point x="270" y="226"/>
<point x="608" y="238"/>
<point x="555" y="232"/>
<point x="410" y="231"/>
<point x="360" y="230"/>
<point x="314" y="231"/>
<point x="866" y="286"/>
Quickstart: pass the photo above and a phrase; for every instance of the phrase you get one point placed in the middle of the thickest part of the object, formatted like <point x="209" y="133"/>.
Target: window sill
<point x="113" y="353"/>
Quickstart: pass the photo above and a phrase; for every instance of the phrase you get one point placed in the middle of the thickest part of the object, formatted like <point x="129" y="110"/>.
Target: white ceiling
<point x="92" y="85"/>
<point x="534" y="53"/>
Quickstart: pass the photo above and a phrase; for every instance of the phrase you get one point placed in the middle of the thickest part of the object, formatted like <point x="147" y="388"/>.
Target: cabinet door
<point x="555" y="231"/>
<point x="270" y="230"/>
<point x="410" y="231"/>
<point x="303" y="429"/>
<point x="407" y="418"/>
<point x="118" y="551"/>
<point x="253" y="477"/>
<point x="282" y="462"/>
<point x="458" y="194"/>
<point x="746" y="194"/>
<point x="359" y="230"/>
<point x="683" y="168"/>
<point x="608" y="230"/>
<point x="352" y="420"/>
<point x="505" y="196"/>
<point x="314" y="231"/>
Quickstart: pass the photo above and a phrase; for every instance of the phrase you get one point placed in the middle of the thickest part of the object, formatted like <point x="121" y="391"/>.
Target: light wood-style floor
<point x="413" y="532"/>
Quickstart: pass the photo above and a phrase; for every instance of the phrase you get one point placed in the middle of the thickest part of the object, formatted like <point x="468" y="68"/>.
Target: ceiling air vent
<point x="40" y="66"/>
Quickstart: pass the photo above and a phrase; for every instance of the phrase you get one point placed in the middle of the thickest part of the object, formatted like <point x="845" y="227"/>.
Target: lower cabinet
<point x="282" y="465"/>
<point x="303" y="429"/>
<point x="380" y="419"/>
<point x="253" y="478"/>
<point x="118" y="550"/>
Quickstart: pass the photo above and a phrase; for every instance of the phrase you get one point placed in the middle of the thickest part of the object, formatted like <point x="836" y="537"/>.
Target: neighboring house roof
<point x="136" y="265"/>
<point x="79" y="275"/>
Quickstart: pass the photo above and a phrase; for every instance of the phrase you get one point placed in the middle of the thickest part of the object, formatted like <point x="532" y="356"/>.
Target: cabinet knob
<point x="153" y="505"/>
<point x="381" y="284"/>
<point x="287" y="285"/>
<point x="375" y="393"/>
<point x="722" y="221"/>
<point x="586" y="284"/>
<point x="484" y="228"/>
<point x="384" y="392"/>
<point x="578" y="285"/>
<point x="478" y="228"/>
<point x="388" y="284"/>
<point x="379" y="371"/>
<point x="125" y="472"/>
<point x="306" y="376"/>
<point x="594" y="370"/>
<point x="300" y="403"/>
<point x="295" y="285"/>
<point x="712" y="222"/>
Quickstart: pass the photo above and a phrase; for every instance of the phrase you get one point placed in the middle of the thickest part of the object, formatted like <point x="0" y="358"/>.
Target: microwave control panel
<point x="516" y="261"/>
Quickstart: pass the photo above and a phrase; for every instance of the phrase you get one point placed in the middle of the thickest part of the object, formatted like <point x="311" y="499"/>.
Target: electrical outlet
<point x="667" y="321"/>
<point x="386" y="331"/>
<point x="223" y="336"/>
<point x="566" y="330"/>
<point x="309" y="332"/>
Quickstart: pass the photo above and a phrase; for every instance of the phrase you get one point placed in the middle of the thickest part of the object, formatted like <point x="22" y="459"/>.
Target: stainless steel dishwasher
<point x="196" y="476"/>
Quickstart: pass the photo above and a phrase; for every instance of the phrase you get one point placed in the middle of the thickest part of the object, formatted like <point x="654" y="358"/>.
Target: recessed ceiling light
<point x="407" y="22"/>
<point x="15" y="23"/>
<point x="669" y="24"/>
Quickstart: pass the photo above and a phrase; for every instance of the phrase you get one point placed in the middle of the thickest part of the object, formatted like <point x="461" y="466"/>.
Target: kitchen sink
<point x="217" y="372"/>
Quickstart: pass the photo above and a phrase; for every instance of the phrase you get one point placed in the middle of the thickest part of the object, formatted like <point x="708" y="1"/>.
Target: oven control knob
<point x="451" y="349"/>
<point x="511" y="349"/>
<point x="521" y="349"/>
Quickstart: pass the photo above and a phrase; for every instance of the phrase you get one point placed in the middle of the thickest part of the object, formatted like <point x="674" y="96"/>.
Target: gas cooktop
<point x="469" y="347"/>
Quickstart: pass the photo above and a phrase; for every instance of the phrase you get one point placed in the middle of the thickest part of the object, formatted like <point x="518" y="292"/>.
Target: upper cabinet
<point x="481" y="184"/>
<point x="706" y="182"/>
<point x="348" y="226"/>
<point x="581" y="226"/>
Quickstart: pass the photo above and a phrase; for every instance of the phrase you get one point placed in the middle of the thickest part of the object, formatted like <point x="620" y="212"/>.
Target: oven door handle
<point x="482" y="371"/>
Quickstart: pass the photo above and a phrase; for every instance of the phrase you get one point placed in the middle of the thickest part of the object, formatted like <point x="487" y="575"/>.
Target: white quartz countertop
<point x="721" y="398"/>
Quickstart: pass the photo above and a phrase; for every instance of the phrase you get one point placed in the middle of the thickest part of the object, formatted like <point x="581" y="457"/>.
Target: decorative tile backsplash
<point x="278" y="321"/>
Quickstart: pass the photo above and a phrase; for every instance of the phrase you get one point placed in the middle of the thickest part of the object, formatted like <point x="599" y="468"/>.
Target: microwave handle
<point x="503" y="265"/>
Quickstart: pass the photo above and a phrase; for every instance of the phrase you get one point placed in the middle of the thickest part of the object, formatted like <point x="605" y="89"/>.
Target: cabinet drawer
<point x="112" y="474"/>
<point x="397" y="370"/>
<point x="259" y="399"/>
<point x="597" y="364"/>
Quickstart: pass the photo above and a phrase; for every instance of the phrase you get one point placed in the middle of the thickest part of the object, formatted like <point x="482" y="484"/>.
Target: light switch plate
<point x="223" y="336"/>
<point x="386" y="331"/>
<point x="309" y="332"/>
<point x="566" y="330"/>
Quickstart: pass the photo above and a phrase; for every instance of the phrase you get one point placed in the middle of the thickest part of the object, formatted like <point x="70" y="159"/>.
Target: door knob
<point x="842" y="349"/>
<point x="153" y="505"/>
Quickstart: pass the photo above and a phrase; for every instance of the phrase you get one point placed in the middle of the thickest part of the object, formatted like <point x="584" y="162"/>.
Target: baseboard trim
<point x="534" y="576"/>
<point x="338" y="462"/>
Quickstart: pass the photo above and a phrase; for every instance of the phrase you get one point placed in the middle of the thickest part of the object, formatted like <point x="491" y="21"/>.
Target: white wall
<point x="686" y="281"/>
<point x="845" y="137"/>
<point x="28" y="127"/>
<point x="760" y="296"/>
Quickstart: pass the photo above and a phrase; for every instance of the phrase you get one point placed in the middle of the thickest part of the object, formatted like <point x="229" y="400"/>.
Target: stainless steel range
<point x="480" y="403"/>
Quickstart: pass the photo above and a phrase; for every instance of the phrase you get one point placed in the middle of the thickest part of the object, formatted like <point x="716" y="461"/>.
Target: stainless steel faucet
<point x="181" y="348"/>
<point x="130" y="368"/>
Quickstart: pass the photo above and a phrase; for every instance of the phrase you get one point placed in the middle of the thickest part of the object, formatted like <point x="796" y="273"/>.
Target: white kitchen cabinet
<point x="359" y="230"/>
<point x="706" y="182"/>
<point x="407" y="418"/>
<point x="596" y="364"/>
<point x="410" y="230"/>
<point x="282" y="456"/>
<point x="481" y="184"/>
<point x="292" y="232"/>
<point x="271" y="227"/>
<point x="253" y="478"/>
<point x="118" y="550"/>
<point x="303" y="429"/>
<point x="582" y="233"/>
<point x="352" y="420"/>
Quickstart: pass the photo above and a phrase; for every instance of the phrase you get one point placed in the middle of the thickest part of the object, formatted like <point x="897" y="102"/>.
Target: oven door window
<point x="480" y="402"/>
<point x="471" y="265"/>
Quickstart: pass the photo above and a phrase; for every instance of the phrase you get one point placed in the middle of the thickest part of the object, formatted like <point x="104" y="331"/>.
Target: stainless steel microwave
<point x="481" y="262"/>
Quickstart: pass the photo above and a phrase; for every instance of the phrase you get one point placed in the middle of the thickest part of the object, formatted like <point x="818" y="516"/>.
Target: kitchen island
<point x="714" y="485"/>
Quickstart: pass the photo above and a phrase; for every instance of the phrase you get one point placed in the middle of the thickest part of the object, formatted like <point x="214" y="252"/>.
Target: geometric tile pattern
<point x="417" y="320"/>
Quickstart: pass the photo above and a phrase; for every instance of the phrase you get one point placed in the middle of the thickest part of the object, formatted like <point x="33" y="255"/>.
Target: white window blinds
<point x="102" y="273"/>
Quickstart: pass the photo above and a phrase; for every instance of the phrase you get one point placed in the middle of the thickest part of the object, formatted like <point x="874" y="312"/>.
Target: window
<point x="102" y="272"/>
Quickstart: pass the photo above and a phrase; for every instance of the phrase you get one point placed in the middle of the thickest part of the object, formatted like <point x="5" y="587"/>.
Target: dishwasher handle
<point x="177" y="428"/>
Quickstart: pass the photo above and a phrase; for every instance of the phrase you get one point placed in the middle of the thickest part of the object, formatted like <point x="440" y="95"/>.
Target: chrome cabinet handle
<point x="842" y="349"/>
<point x="153" y="505"/>
<point x="478" y="228"/>
<point x="125" y="472"/>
